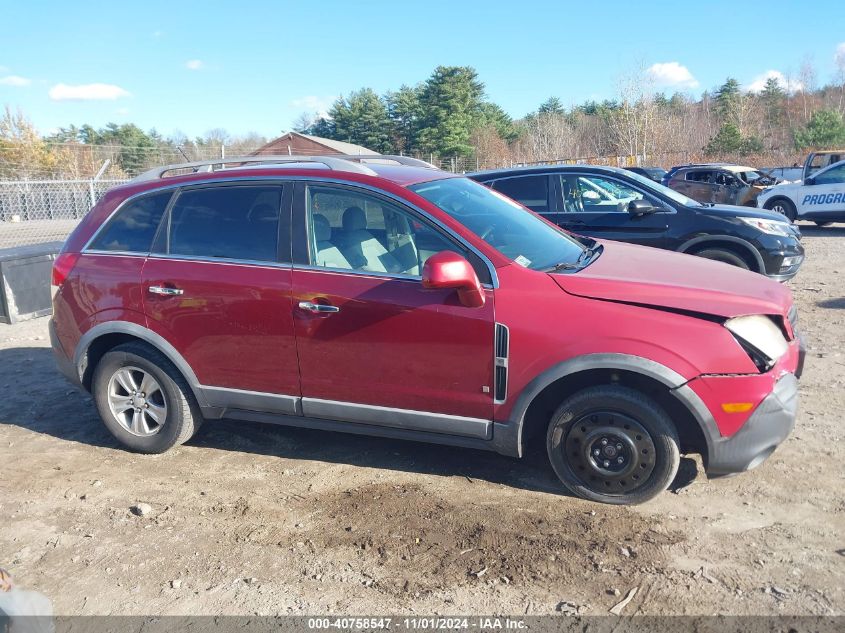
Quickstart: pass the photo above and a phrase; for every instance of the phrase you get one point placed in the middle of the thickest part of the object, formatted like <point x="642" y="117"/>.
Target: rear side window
<point x="132" y="228"/>
<point x="226" y="222"/>
<point x="529" y="191"/>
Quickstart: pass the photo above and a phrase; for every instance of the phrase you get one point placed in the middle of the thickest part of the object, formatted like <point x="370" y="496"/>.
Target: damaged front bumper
<point x="768" y="426"/>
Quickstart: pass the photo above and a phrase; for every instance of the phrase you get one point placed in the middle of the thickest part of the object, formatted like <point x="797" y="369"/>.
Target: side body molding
<point x="508" y="434"/>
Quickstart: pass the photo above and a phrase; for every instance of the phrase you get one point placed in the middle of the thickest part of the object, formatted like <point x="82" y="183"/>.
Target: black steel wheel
<point x="613" y="444"/>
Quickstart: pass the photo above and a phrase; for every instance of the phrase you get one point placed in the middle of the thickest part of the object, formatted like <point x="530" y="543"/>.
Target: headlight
<point x="772" y="227"/>
<point x="762" y="339"/>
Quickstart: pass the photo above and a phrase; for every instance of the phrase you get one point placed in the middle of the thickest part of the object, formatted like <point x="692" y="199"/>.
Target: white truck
<point x="819" y="196"/>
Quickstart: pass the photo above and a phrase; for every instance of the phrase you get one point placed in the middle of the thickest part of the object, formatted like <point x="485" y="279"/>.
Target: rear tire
<point x="143" y="399"/>
<point x="819" y="223"/>
<point x="728" y="257"/>
<point x="783" y="206"/>
<point x="636" y="442"/>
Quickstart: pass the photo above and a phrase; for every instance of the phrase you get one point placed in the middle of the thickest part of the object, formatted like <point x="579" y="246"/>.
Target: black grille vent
<point x="500" y="377"/>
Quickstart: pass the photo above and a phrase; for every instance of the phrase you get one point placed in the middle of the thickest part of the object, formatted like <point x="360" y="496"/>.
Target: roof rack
<point x="338" y="162"/>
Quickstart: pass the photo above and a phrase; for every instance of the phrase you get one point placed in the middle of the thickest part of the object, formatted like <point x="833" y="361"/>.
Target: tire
<point x="821" y="223"/>
<point x="784" y="206"/>
<point x="151" y="422"/>
<point x="720" y="255"/>
<point x="624" y="417"/>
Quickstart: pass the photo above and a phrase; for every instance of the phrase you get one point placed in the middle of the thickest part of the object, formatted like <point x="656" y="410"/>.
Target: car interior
<point x="350" y="231"/>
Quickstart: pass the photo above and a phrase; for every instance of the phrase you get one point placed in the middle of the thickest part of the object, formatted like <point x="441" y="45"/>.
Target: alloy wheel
<point x="136" y="401"/>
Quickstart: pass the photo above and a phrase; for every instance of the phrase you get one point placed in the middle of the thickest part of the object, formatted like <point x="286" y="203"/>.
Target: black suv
<point x="615" y="204"/>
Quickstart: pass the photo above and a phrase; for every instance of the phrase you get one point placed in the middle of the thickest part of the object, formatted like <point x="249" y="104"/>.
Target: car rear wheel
<point x="783" y="206"/>
<point x="613" y="444"/>
<point x="721" y="255"/>
<point x="818" y="223"/>
<point x="143" y="399"/>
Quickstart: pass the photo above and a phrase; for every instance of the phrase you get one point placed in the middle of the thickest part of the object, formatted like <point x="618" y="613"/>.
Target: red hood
<point x="650" y="276"/>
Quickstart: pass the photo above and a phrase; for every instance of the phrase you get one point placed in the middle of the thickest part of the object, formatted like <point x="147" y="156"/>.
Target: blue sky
<point x="254" y="66"/>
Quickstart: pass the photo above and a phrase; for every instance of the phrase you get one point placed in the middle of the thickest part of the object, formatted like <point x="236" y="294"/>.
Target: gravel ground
<point x="250" y="519"/>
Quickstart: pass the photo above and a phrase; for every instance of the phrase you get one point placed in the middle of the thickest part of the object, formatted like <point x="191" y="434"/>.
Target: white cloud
<point x="311" y="103"/>
<point x="14" y="80"/>
<point x="672" y="74"/>
<point x="122" y="111"/>
<point x="194" y="64"/>
<point x="87" y="92"/>
<point x="759" y="82"/>
<point x="839" y="55"/>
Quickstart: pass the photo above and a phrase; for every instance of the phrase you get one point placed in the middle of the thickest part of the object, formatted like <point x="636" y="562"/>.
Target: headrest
<point x="354" y="219"/>
<point x="263" y="213"/>
<point x="322" y="228"/>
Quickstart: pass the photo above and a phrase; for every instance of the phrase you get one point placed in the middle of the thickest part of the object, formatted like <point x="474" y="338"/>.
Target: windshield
<point x="656" y="187"/>
<point x="750" y="176"/>
<point x="505" y="225"/>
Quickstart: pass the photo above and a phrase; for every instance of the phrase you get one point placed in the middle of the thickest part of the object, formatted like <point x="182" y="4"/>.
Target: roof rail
<point x="402" y="160"/>
<point x="337" y="163"/>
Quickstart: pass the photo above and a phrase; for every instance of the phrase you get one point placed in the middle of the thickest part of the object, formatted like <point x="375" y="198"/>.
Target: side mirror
<point x="809" y="180"/>
<point x="447" y="269"/>
<point x="641" y="207"/>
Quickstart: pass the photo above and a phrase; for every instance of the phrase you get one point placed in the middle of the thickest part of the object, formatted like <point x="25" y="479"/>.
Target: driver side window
<point x="599" y="194"/>
<point x="350" y="230"/>
<point x="832" y="176"/>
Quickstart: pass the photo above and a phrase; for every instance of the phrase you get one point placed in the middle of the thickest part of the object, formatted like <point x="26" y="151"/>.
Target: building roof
<point x="339" y="147"/>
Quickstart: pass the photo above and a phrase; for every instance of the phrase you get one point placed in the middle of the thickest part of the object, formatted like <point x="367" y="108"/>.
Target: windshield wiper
<point x="563" y="266"/>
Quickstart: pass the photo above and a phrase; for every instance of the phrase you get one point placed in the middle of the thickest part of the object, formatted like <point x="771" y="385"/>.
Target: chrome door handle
<point x="161" y="290"/>
<point x="317" y="308"/>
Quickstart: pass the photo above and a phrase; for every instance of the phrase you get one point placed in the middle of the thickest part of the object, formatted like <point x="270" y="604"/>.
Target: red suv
<point x="390" y="298"/>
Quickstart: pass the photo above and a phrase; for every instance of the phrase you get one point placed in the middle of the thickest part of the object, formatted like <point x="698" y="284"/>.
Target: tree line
<point x="450" y="115"/>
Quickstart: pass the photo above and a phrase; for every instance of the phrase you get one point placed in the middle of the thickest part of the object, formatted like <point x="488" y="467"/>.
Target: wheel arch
<point x="103" y="337"/>
<point x="535" y="404"/>
<point x="736" y="245"/>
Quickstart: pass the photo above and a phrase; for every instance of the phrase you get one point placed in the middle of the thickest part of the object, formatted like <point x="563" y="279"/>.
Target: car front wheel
<point x="143" y="399"/>
<point x="613" y="444"/>
<point x="783" y="206"/>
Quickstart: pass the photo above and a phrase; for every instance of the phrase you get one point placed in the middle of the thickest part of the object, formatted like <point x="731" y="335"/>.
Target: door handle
<point x="317" y="308"/>
<point x="162" y="290"/>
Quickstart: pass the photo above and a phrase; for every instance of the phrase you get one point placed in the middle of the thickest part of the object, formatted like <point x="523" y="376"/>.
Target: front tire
<point x="143" y="399"/>
<point x="727" y="257"/>
<point x="613" y="444"/>
<point x="783" y="206"/>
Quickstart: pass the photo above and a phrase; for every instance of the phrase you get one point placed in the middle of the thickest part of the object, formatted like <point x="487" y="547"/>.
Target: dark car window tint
<point x="530" y="191"/>
<point x="133" y="227"/>
<point x="832" y="176"/>
<point x="226" y="222"/>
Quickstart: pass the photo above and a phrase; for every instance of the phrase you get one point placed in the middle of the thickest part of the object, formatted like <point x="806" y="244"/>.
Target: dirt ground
<point x="252" y="519"/>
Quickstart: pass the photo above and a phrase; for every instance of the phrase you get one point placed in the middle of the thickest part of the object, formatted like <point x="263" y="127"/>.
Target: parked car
<point x="407" y="302"/>
<point x="718" y="183"/>
<point x="820" y="197"/>
<point x="652" y="173"/>
<point x="615" y="204"/>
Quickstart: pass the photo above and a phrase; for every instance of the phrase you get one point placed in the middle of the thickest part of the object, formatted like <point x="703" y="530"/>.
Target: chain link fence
<point x="37" y="211"/>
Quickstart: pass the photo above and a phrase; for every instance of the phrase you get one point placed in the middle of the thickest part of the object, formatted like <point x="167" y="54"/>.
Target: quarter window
<point x="227" y="222"/>
<point x="133" y="227"/>
<point x="529" y="191"/>
<point x="356" y="231"/>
